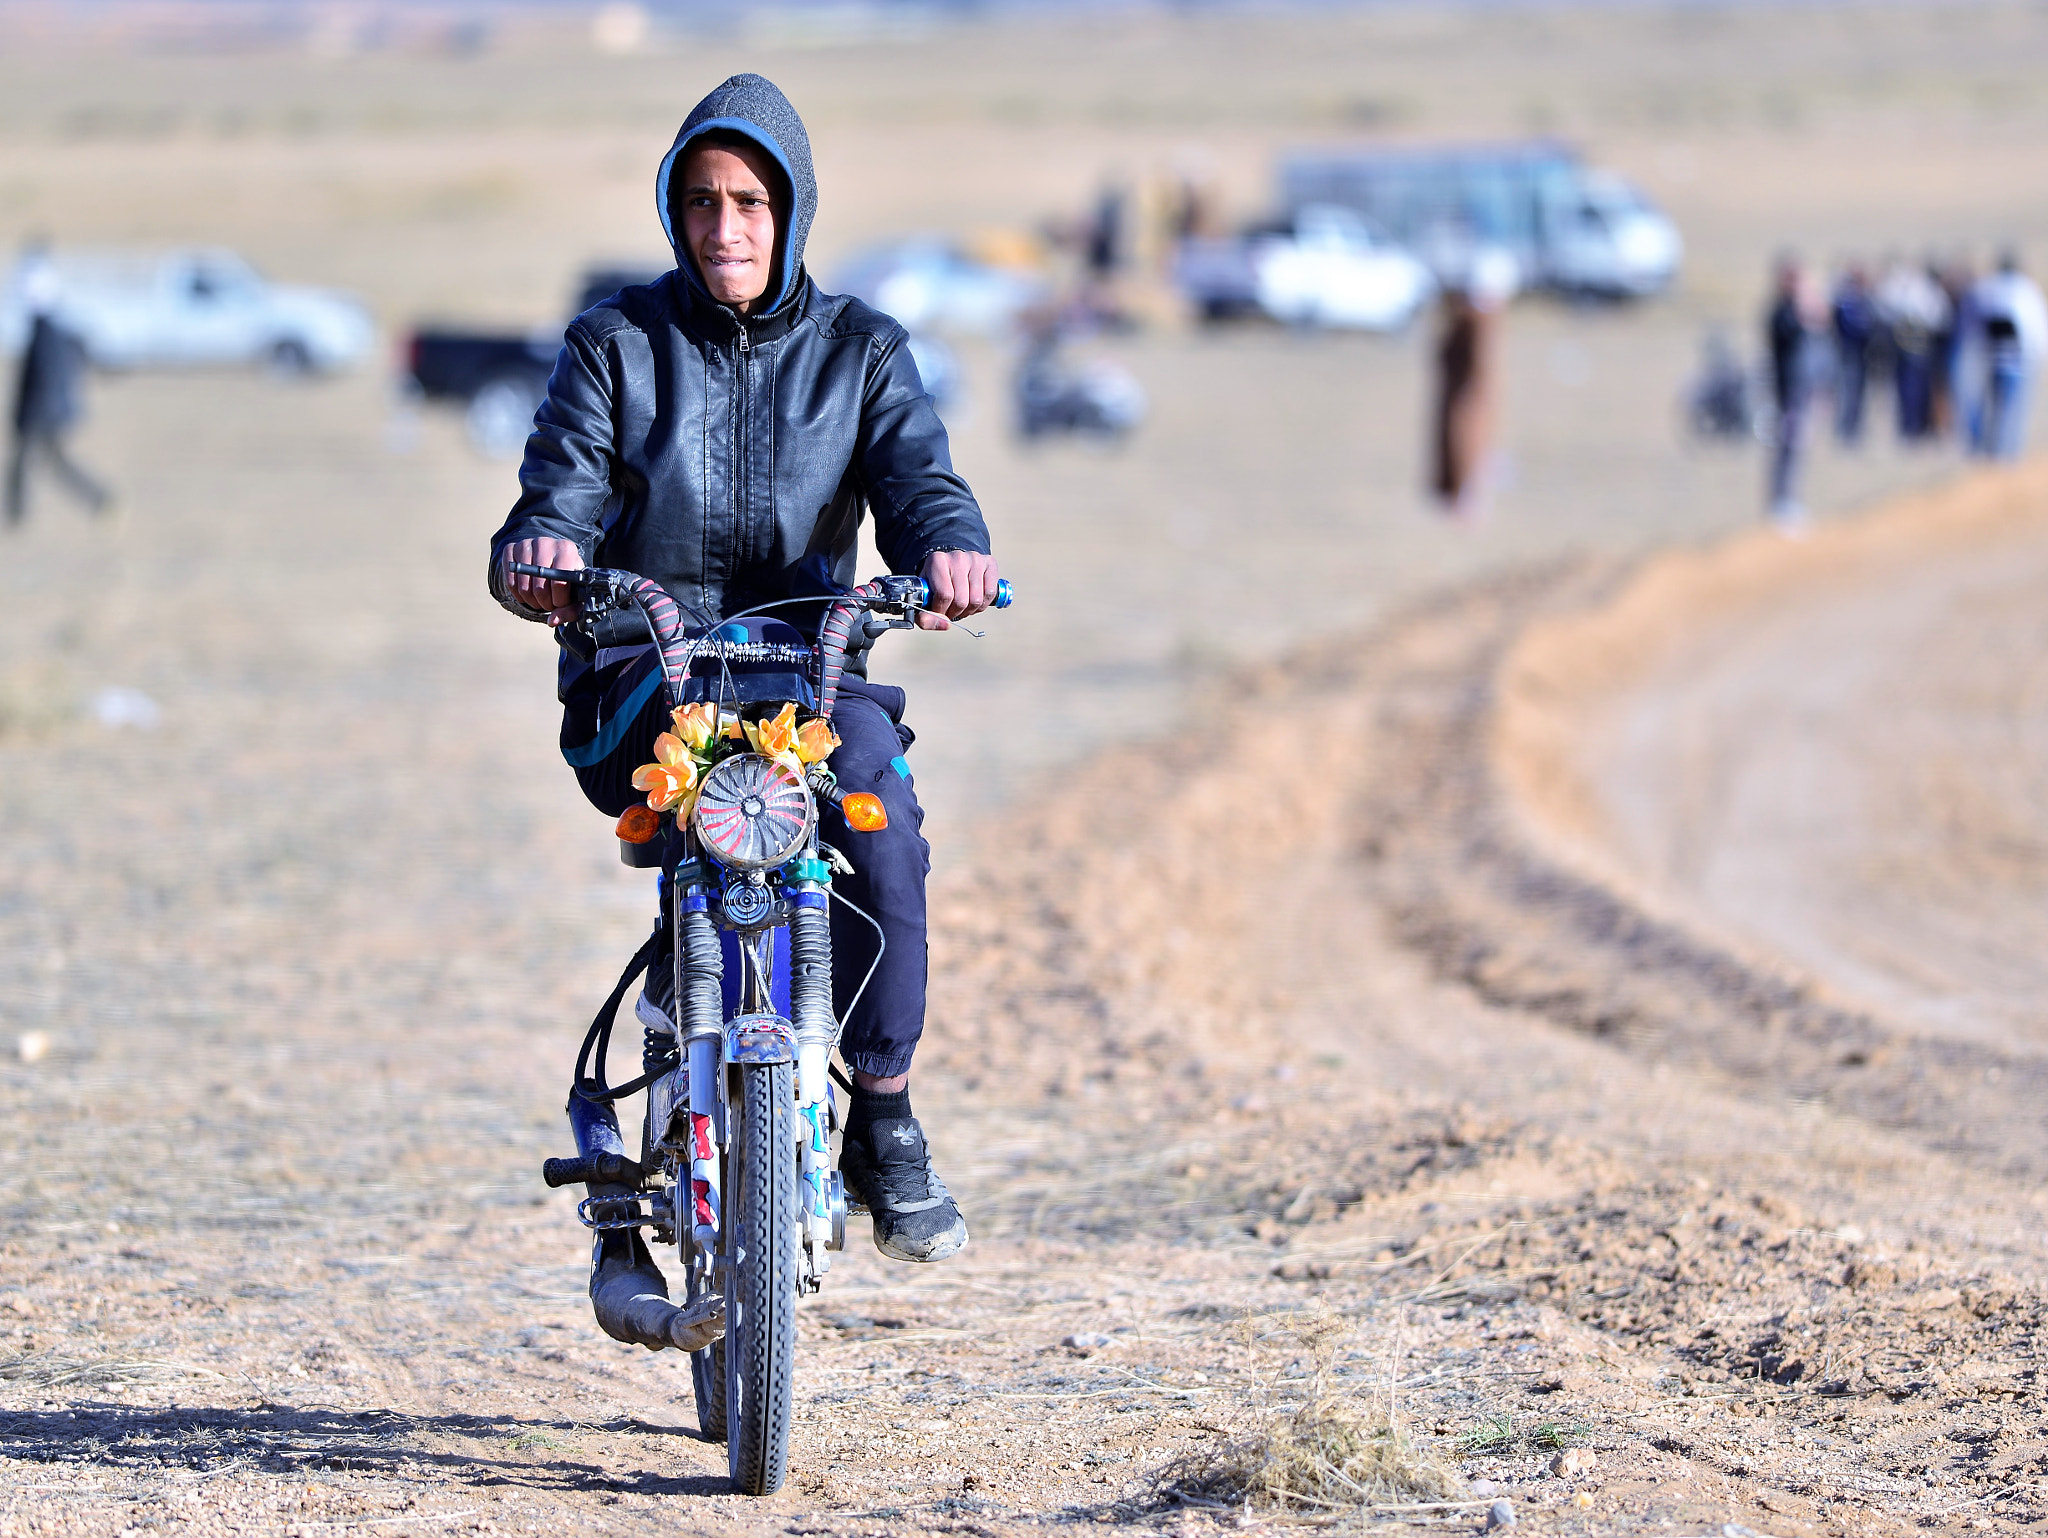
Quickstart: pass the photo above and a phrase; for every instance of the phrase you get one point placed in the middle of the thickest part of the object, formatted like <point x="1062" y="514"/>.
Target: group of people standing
<point x="1959" y="351"/>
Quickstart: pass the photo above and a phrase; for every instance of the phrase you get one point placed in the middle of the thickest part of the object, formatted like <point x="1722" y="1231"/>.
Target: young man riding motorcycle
<point x="722" y="431"/>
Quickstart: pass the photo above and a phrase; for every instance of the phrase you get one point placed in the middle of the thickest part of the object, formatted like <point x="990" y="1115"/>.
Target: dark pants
<point x="1850" y="378"/>
<point x="45" y="444"/>
<point x="1913" y="377"/>
<point x="889" y="867"/>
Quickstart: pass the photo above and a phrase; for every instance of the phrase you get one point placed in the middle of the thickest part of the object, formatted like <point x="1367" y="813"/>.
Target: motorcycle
<point x="736" y="1169"/>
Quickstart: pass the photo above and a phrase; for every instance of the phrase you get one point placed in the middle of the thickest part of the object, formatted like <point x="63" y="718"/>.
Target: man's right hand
<point x="551" y="599"/>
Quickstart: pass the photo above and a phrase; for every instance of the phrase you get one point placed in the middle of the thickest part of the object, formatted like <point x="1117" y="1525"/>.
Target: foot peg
<point x="609" y="1169"/>
<point x="632" y="1305"/>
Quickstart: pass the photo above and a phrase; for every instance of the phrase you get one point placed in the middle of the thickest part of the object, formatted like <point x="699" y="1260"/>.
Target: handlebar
<point x="585" y="581"/>
<point x="601" y="592"/>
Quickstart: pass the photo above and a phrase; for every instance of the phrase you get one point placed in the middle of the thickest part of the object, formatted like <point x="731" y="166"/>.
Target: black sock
<point x="866" y="1107"/>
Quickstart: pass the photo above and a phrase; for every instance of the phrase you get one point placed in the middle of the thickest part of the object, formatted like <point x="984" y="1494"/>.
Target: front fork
<point x="810" y="1002"/>
<point x="700" y="1008"/>
<point x="701" y="1012"/>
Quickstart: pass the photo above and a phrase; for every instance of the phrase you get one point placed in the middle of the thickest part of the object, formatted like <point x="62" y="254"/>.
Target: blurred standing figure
<point x="1796" y="317"/>
<point x="2011" y="321"/>
<point x="1855" y="323"/>
<point x="1103" y="251"/>
<point x="1945" y="411"/>
<point x="1467" y="373"/>
<point x="49" y="400"/>
<point x="1916" y="312"/>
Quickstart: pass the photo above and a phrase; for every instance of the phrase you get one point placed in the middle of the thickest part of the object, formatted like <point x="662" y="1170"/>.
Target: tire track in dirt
<point x="1532" y="909"/>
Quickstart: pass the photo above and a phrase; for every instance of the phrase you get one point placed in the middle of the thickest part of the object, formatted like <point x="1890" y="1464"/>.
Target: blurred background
<point x="1091" y="216"/>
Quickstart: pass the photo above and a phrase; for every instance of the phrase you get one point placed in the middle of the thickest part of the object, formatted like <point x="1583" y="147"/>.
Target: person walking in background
<point x="1855" y="324"/>
<point x="49" y="400"/>
<point x="2009" y="322"/>
<point x="1915" y="312"/>
<point x="1467" y="372"/>
<point x="1795" y="317"/>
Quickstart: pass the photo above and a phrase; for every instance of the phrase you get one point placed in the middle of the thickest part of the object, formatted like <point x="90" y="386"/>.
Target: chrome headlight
<point x="752" y="812"/>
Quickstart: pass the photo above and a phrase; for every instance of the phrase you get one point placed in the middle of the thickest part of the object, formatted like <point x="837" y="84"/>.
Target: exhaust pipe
<point x="632" y="1305"/>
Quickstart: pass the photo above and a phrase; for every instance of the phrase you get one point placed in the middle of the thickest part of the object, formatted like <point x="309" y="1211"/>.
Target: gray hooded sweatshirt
<point x="732" y="458"/>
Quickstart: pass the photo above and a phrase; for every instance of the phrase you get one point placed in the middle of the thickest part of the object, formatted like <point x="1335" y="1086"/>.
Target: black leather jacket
<point x="731" y="459"/>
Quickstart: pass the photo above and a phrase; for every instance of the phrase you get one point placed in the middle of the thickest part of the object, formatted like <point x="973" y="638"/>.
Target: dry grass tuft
<point x="1326" y="1451"/>
<point x="48" y="1369"/>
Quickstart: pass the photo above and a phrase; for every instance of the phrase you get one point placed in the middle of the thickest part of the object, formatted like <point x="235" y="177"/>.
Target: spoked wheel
<point x="760" y="1333"/>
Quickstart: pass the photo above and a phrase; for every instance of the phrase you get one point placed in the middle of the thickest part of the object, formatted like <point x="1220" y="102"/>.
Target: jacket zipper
<point x="743" y="532"/>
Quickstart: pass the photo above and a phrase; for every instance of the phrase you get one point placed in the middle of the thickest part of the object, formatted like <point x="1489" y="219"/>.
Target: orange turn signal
<point x="865" y="812"/>
<point x="638" y="824"/>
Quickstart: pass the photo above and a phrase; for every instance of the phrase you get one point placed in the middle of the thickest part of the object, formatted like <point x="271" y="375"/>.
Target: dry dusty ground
<point x="1276" y="975"/>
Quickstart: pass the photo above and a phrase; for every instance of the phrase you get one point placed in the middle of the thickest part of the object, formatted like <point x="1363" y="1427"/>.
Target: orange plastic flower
<point x="671" y="780"/>
<point x="697" y="725"/>
<point x="775" y="737"/>
<point x="815" y="741"/>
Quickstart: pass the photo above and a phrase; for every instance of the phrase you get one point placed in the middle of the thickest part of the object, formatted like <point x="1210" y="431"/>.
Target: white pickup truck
<point x="1325" y="267"/>
<point x="187" y="307"/>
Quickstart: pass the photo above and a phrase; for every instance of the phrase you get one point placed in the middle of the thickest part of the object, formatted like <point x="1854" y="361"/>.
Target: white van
<point x="1564" y="226"/>
<point x="187" y="307"/>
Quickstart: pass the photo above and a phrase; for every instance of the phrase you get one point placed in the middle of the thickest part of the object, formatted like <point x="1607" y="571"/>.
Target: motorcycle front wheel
<point x="707" y="1379"/>
<point x="760" y="1333"/>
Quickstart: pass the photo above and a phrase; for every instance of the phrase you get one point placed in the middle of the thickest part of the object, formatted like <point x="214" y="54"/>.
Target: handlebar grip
<point x="1005" y="594"/>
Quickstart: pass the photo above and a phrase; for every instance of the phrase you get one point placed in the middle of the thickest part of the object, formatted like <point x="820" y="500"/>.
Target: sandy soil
<point x="1275" y="972"/>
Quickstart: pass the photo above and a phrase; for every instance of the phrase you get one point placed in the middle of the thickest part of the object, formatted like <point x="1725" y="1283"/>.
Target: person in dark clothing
<point x="1462" y="422"/>
<point x="1788" y="331"/>
<point x="723" y="431"/>
<point x="49" y="400"/>
<point x="1855" y="325"/>
<point x="1918" y="318"/>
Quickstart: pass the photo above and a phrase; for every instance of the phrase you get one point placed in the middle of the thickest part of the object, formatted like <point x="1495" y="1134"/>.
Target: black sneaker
<point x="888" y="1170"/>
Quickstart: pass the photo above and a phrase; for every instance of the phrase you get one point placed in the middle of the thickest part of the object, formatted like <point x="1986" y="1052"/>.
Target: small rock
<point x="1500" y="1514"/>
<point x="1583" y="1500"/>
<point x="1573" y="1462"/>
<point x="32" y="1046"/>
<point x="1088" y="1341"/>
<point x="1484" y="1487"/>
<point x="973" y="1482"/>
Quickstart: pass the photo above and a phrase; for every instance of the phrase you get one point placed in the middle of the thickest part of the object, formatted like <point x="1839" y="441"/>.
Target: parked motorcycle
<point x="736" y="1169"/>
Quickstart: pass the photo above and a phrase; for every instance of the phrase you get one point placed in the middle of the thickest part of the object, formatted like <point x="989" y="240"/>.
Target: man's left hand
<point x="962" y="582"/>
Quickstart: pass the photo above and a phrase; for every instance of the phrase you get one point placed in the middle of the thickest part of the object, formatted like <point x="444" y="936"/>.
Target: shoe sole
<point x="941" y="1248"/>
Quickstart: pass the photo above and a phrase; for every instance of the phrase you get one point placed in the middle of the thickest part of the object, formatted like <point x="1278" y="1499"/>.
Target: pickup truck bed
<point x="501" y="378"/>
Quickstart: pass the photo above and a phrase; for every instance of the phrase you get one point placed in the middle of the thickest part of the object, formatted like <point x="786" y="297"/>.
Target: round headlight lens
<point x="753" y="812"/>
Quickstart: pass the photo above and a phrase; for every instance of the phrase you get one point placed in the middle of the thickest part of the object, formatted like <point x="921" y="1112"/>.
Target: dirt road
<point x="1571" y="1161"/>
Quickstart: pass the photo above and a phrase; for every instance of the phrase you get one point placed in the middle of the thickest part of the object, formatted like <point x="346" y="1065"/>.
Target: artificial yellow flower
<point x="776" y="737"/>
<point x="815" y="741"/>
<point x="671" y="780"/>
<point x="697" y="725"/>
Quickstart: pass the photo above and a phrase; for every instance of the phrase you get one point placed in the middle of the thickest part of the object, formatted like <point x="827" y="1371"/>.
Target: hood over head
<point x="752" y="107"/>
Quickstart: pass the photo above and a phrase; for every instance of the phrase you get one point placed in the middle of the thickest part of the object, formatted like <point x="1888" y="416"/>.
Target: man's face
<point x="729" y="221"/>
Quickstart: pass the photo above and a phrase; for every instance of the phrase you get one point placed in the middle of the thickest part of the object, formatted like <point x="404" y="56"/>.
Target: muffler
<point x="632" y="1305"/>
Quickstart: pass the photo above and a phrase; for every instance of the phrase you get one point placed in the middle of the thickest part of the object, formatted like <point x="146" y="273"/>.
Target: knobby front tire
<point x="760" y="1333"/>
<point x="707" y="1378"/>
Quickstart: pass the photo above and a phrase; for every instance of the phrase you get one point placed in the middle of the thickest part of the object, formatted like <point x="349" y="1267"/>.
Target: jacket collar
<point x="713" y="320"/>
